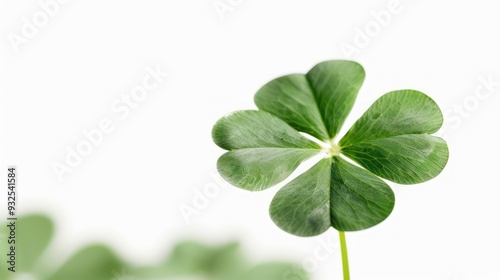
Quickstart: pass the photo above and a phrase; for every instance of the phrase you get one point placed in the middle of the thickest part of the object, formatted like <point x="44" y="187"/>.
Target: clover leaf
<point x="392" y="141"/>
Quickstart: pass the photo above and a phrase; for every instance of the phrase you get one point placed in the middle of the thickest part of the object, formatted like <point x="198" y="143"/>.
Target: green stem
<point x="345" y="260"/>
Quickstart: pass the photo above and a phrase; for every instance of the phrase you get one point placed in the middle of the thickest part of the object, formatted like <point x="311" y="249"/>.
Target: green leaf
<point x="264" y="149"/>
<point x="257" y="129"/>
<point x="336" y="85"/>
<point x="396" y="113"/>
<point x="358" y="199"/>
<point x="316" y="103"/>
<point x="260" y="168"/>
<point x="405" y="159"/>
<point x="94" y="262"/>
<point x="332" y="193"/>
<point x="34" y="233"/>
<point x="301" y="207"/>
<point x="292" y="99"/>
<point x="391" y="139"/>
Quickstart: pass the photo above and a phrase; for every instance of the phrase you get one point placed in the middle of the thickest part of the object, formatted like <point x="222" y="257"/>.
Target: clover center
<point x="333" y="149"/>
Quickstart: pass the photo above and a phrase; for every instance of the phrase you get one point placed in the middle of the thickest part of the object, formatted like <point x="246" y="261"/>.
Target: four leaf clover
<point x="344" y="190"/>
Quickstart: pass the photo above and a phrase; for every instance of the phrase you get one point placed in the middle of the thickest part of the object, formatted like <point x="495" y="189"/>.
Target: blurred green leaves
<point x="98" y="262"/>
<point x="36" y="233"/>
<point x="193" y="257"/>
<point x="93" y="262"/>
<point x="224" y="262"/>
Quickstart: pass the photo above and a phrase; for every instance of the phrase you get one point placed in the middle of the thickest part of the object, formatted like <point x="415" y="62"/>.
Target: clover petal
<point x="301" y="207"/>
<point x="261" y="168"/>
<point x="264" y="150"/>
<point x="332" y="193"/>
<point x="359" y="199"/>
<point x="392" y="138"/>
<point x="316" y="103"/>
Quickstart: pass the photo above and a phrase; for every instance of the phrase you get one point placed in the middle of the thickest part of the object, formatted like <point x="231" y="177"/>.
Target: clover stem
<point x="345" y="260"/>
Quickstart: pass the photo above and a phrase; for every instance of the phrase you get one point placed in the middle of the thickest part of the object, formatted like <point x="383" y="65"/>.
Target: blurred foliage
<point x="95" y="262"/>
<point x="188" y="260"/>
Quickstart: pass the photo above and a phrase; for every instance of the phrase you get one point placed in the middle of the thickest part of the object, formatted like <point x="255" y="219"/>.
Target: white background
<point x="128" y="190"/>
